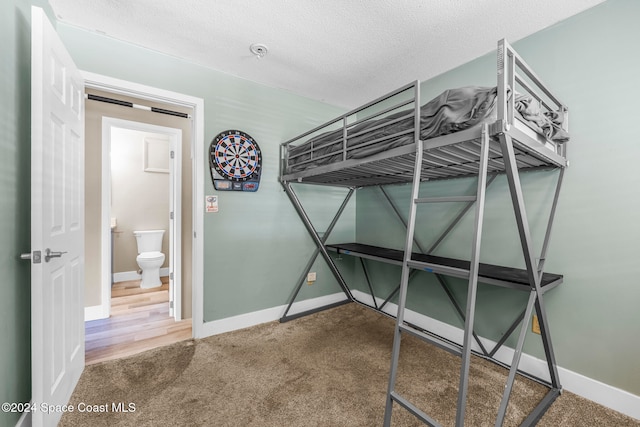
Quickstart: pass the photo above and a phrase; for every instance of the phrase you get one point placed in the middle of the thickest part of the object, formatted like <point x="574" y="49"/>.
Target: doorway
<point x="187" y="246"/>
<point x="102" y="119"/>
<point x="141" y="187"/>
<point x="138" y="187"/>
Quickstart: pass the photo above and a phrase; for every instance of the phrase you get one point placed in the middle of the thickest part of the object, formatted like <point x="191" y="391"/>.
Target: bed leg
<point x="319" y="241"/>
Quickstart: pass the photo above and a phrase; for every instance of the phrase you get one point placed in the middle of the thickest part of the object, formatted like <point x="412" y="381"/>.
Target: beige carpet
<point x="328" y="369"/>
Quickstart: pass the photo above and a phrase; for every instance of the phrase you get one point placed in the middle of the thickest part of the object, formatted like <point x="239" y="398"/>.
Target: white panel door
<point x="57" y="221"/>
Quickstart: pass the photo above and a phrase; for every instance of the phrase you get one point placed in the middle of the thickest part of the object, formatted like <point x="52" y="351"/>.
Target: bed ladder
<point x="408" y="264"/>
<point x="535" y="301"/>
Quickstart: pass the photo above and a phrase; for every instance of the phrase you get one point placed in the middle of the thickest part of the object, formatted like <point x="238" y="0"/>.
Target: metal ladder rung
<point x="432" y="339"/>
<point x="414" y="410"/>
<point x="445" y="199"/>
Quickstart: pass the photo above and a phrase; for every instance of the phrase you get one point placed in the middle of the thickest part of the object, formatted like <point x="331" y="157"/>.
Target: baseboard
<point x="126" y="276"/>
<point x="601" y="393"/>
<point x="604" y="394"/>
<point x="95" y="312"/>
<point x="24" y="420"/>
<point x="242" y="321"/>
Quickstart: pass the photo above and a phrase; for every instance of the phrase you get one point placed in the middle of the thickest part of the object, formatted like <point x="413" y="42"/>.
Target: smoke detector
<point x="259" y="50"/>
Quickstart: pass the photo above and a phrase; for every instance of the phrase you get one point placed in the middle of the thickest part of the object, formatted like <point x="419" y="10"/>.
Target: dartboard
<point x="235" y="156"/>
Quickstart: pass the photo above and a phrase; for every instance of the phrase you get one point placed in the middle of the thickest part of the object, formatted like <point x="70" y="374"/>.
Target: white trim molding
<point x="126" y="276"/>
<point x="95" y="312"/>
<point x="599" y="392"/>
<point x="247" y="320"/>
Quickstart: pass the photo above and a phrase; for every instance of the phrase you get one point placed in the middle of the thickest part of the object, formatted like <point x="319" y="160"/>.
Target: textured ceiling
<point x="339" y="51"/>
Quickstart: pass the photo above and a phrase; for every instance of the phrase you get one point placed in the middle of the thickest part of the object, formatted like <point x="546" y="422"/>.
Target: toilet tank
<point x="149" y="240"/>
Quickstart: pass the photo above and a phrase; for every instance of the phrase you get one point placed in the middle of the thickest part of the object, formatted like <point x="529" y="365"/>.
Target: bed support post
<point x="320" y="249"/>
<point x="534" y="271"/>
<point x="517" y="198"/>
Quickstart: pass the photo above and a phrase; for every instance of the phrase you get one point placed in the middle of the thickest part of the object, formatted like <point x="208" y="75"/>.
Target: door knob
<point x="48" y="254"/>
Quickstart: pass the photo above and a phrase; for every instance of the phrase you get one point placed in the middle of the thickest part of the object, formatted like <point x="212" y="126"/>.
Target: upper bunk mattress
<point x="452" y="111"/>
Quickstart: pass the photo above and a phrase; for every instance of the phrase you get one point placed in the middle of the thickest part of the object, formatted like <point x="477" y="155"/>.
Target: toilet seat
<point x="150" y="256"/>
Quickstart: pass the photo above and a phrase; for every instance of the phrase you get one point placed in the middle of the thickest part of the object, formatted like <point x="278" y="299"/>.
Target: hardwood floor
<point x="139" y="321"/>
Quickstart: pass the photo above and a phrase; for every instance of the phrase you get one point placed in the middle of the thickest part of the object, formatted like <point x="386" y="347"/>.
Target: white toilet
<point x="149" y="258"/>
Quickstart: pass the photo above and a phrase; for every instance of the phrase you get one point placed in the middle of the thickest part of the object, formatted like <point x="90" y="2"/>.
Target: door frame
<point x="197" y="144"/>
<point x="175" y="180"/>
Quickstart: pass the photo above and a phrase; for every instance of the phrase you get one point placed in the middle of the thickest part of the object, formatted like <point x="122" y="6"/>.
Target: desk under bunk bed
<point x="517" y="126"/>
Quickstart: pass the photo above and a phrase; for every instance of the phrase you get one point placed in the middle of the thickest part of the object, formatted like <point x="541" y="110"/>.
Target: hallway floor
<point x="139" y="321"/>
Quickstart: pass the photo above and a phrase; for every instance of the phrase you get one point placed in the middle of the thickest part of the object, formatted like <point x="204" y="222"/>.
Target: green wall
<point x="590" y="61"/>
<point x="255" y="246"/>
<point x="15" y="136"/>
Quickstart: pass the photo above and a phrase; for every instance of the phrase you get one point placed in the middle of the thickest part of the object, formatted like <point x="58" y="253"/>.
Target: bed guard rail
<point x="514" y="73"/>
<point x="405" y="96"/>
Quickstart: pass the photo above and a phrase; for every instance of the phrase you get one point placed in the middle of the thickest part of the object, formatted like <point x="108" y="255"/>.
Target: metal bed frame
<point x="504" y="146"/>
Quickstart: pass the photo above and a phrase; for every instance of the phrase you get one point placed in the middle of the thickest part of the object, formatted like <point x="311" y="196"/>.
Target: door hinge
<point x="171" y="215"/>
<point x="171" y="304"/>
<point x="170" y="276"/>
<point x="173" y="154"/>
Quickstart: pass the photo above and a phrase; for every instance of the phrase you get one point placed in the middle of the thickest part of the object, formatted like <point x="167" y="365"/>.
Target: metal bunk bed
<point x="343" y="153"/>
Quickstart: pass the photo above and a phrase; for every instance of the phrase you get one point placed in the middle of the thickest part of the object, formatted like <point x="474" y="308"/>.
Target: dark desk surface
<point x="507" y="274"/>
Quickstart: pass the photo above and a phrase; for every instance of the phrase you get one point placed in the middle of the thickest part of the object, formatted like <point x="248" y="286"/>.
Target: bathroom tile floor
<point x="139" y="321"/>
